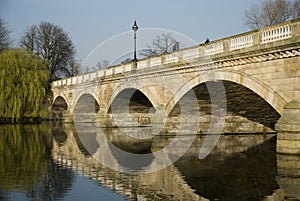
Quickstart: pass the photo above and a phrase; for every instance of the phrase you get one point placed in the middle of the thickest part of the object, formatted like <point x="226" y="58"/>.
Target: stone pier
<point x="288" y="128"/>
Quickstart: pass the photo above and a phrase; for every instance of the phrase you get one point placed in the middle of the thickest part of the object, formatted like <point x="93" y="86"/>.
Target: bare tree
<point x="4" y="35"/>
<point x="75" y="67"/>
<point x="127" y="60"/>
<point x="54" y="46"/>
<point x="271" y="12"/>
<point x="296" y="9"/>
<point x="162" y="44"/>
<point x="102" y="64"/>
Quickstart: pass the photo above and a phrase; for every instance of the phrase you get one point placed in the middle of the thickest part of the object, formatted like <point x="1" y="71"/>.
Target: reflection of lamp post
<point x="134" y="28"/>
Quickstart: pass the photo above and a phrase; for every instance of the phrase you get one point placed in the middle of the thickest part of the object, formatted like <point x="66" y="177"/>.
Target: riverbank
<point x="23" y="120"/>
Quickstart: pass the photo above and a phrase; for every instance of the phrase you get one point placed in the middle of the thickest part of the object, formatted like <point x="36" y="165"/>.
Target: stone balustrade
<point x="238" y="42"/>
<point x="214" y="48"/>
<point x="241" y="42"/>
<point x="119" y="69"/>
<point x="127" y="67"/>
<point x="271" y="34"/>
<point x="156" y="61"/>
<point x="191" y="53"/>
<point x="142" y="64"/>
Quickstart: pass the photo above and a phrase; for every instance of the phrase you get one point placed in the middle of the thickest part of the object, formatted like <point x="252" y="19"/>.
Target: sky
<point x="90" y="23"/>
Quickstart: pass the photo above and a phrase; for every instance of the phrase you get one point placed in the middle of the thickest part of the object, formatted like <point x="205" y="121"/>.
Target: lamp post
<point x="134" y="28"/>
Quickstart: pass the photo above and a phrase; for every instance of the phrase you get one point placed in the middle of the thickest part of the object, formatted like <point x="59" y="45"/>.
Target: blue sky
<point x="90" y="22"/>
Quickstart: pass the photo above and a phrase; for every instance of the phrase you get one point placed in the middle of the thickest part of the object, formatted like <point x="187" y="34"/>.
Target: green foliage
<point x="4" y="35"/>
<point x="23" y="81"/>
<point x="24" y="154"/>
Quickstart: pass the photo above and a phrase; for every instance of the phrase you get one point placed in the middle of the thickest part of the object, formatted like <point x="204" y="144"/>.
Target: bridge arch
<point x="59" y="106"/>
<point x="146" y="91"/>
<point x="89" y="91"/>
<point x="261" y="89"/>
<point x="61" y="96"/>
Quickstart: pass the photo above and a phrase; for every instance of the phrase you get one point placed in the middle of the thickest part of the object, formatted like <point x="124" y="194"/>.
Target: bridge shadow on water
<point x="247" y="175"/>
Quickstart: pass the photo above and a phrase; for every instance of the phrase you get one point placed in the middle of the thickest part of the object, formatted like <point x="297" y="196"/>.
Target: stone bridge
<point x="251" y="79"/>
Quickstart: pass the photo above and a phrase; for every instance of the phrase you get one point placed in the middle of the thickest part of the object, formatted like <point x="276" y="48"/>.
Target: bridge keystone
<point x="288" y="128"/>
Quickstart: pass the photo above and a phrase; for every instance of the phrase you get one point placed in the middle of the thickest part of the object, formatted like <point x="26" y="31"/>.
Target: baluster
<point x="289" y="30"/>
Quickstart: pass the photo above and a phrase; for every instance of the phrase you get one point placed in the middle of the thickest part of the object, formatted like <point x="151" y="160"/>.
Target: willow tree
<point x="23" y="81"/>
<point x="4" y="36"/>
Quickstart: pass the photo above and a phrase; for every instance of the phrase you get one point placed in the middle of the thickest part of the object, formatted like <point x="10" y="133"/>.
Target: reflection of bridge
<point x="169" y="183"/>
<point x="260" y="71"/>
<point x="165" y="184"/>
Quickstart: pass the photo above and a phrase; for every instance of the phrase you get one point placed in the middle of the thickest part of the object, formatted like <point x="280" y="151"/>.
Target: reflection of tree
<point x="56" y="182"/>
<point x="58" y="134"/>
<point x="26" y="165"/>
<point x="23" y="152"/>
<point x="3" y="195"/>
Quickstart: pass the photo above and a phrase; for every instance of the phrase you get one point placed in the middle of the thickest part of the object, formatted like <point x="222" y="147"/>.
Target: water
<point x="42" y="162"/>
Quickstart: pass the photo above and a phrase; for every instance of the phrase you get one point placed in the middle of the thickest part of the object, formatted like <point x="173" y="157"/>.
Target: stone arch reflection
<point x="58" y="133"/>
<point x="238" y="169"/>
<point x="122" y="144"/>
<point x="145" y="186"/>
<point x="289" y="175"/>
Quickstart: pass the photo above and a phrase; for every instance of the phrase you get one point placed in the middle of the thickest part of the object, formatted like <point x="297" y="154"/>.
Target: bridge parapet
<point x="239" y="42"/>
<point x="280" y="32"/>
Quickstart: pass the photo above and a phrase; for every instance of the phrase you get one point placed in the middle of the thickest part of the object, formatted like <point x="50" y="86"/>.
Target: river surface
<point x="56" y="162"/>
